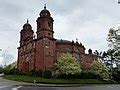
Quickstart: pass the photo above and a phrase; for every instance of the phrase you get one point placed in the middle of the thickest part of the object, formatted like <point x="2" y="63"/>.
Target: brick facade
<point x="42" y="52"/>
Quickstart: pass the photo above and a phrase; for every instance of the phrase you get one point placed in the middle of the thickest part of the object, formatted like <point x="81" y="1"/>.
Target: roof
<point x="63" y="41"/>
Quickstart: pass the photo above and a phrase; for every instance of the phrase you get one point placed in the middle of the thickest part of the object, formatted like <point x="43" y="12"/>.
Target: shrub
<point x="13" y="71"/>
<point x="82" y="75"/>
<point x="100" y="68"/>
<point x="37" y="73"/>
<point x="47" y="74"/>
<point x="89" y="75"/>
<point x="40" y="73"/>
<point x="116" y="76"/>
<point x="31" y="73"/>
<point x="1" y="70"/>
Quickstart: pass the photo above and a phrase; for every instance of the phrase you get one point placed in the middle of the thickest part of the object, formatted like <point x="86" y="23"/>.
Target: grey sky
<point x="87" y="20"/>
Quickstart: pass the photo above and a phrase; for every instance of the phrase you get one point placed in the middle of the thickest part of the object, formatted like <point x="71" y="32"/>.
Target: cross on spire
<point x="44" y="6"/>
<point x="76" y="39"/>
<point x="27" y="20"/>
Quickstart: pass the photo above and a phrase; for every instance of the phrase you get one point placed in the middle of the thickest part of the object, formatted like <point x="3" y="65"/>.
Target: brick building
<point x="41" y="53"/>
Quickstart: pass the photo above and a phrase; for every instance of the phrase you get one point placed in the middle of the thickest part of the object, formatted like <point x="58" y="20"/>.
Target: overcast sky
<point x="87" y="20"/>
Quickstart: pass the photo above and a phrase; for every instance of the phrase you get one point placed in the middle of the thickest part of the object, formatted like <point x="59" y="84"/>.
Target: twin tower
<point x="44" y="27"/>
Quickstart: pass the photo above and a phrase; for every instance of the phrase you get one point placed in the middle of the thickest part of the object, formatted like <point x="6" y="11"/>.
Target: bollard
<point x="34" y="81"/>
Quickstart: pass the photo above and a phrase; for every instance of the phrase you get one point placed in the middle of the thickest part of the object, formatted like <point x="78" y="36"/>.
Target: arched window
<point x="49" y="24"/>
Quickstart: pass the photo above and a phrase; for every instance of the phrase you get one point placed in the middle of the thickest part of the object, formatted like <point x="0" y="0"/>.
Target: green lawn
<point x="30" y="79"/>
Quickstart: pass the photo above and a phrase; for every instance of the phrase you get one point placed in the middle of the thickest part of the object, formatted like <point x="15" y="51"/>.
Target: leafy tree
<point x="1" y="69"/>
<point x="67" y="64"/>
<point x="11" y="66"/>
<point x="100" y="69"/>
<point x="114" y="41"/>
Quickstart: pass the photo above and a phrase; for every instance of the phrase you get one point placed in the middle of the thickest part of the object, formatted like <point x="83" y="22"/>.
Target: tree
<point x="11" y="66"/>
<point x="67" y="64"/>
<point x="1" y="69"/>
<point x="114" y="41"/>
<point x="100" y="69"/>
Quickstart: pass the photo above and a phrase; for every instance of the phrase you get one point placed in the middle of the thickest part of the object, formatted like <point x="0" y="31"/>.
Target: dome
<point x="45" y="12"/>
<point x="27" y="26"/>
<point x="63" y="41"/>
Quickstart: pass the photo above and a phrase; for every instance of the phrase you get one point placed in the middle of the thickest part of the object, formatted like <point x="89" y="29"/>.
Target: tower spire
<point x="27" y="20"/>
<point x="44" y="6"/>
<point x="76" y="39"/>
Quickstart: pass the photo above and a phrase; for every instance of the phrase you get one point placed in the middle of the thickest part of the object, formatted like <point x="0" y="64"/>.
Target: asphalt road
<point x="10" y="85"/>
<point x="93" y="87"/>
<point x="13" y="85"/>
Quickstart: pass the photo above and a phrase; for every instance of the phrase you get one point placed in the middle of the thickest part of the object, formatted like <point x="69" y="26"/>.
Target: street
<point x="10" y="85"/>
<point x="13" y="85"/>
<point x="91" y="87"/>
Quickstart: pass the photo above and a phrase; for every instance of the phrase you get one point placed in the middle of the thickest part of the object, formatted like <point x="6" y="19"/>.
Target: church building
<point x="41" y="52"/>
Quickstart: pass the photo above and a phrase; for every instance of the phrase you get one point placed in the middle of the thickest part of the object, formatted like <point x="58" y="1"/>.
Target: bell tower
<point x="26" y="33"/>
<point x="44" y="24"/>
<point x="45" y="42"/>
<point x="25" y="49"/>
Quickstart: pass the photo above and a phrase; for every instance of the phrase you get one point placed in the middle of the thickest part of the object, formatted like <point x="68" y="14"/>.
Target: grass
<point x="30" y="79"/>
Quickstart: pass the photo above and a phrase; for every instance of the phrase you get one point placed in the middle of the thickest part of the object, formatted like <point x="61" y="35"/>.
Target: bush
<point x="89" y="75"/>
<point x="31" y="73"/>
<point x="82" y="75"/>
<point x="47" y="74"/>
<point x="100" y="68"/>
<point x="1" y="70"/>
<point x="37" y="73"/>
<point x="40" y="73"/>
<point x="116" y="76"/>
<point x="12" y="72"/>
